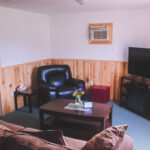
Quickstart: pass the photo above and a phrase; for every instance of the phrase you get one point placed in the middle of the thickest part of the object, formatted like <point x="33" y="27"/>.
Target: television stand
<point x="135" y="95"/>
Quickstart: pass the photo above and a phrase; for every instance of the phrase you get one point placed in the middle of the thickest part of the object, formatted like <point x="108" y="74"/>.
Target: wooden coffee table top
<point x="99" y="111"/>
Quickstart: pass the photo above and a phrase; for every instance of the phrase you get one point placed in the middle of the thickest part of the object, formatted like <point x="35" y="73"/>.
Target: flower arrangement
<point x="78" y="93"/>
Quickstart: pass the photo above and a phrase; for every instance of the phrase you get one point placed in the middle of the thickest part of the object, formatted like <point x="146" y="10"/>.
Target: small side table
<point x="26" y="93"/>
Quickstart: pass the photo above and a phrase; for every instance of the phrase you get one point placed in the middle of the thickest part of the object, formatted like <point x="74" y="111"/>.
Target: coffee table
<point x="99" y="113"/>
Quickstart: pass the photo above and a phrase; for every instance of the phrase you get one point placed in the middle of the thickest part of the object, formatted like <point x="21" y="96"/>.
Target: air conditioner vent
<point x="99" y="33"/>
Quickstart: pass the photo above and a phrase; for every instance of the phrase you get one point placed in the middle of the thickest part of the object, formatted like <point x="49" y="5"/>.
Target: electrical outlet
<point x="91" y="82"/>
<point x="12" y="93"/>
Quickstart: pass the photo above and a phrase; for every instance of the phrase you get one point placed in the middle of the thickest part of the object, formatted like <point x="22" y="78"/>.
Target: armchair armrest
<point x="78" y="81"/>
<point x="47" y="86"/>
<point x="74" y="82"/>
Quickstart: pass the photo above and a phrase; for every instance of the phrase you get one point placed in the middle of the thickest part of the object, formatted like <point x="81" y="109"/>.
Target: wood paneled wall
<point x="12" y="77"/>
<point x="100" y="72"/>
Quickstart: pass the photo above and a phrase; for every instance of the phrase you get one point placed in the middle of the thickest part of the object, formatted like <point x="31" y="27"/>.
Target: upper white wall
<point x="69" y="34"/>
<point x="24" y="36"/>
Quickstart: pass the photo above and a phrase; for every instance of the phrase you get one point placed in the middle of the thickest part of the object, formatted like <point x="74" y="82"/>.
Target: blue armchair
<point x="55" y="81"/>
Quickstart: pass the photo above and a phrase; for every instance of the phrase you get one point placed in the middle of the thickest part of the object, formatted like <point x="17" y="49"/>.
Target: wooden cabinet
<point x="135" y="95"/>
<point x="123" y="91"/>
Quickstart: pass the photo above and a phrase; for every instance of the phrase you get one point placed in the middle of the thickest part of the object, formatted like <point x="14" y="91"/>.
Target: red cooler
<point x="100" y="94"/>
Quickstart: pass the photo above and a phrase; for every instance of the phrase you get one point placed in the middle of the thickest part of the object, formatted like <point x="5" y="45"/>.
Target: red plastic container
<point x="100" y="94"/>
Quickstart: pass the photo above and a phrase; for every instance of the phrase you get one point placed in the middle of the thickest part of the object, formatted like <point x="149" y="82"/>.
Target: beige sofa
<point x="26" y="142"/>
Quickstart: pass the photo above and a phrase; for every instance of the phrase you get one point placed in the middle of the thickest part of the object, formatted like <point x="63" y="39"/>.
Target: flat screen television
<point x="139" y="62"/>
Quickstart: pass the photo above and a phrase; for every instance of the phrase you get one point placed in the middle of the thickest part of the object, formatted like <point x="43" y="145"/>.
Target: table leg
<point x="24" y="100"/>
<point x="41" y="114"/>
<point x="15" y="97"/>
<point x="110" y="118"/>
<point x="30" y="104"/>
<point x="103" y="124"/>
<point x="38" y="99"/>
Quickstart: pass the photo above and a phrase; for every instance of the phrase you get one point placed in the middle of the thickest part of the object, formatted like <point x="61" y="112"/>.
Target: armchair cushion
<point x="52" y="88"/>
<point x="56" y="78"/>
<point x="47" y="86"/>
<point x="65" y="91"/>
<point x="74" y="82"/>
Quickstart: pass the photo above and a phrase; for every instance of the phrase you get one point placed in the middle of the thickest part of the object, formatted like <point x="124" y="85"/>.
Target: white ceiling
<point x="71" y="6"/>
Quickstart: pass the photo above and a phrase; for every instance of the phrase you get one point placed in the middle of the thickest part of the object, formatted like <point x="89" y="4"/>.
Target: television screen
<point x="139" y="62"/>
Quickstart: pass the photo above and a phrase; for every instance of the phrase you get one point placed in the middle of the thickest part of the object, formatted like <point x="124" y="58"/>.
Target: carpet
<point x="139" y="128"/>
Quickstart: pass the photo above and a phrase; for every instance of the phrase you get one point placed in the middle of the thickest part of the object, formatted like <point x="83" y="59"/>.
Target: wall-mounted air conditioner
<point x="100" y="33"/>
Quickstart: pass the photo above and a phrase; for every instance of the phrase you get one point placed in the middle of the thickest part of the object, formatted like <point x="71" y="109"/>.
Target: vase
<point x="78" y="101"/>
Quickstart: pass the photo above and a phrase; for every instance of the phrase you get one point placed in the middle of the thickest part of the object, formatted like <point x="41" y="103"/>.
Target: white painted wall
<point x="24" y="36"/>
<point x="70" y="34"/>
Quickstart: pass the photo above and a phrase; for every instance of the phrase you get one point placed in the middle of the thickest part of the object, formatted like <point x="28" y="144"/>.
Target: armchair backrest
<point x="54" y="74"/>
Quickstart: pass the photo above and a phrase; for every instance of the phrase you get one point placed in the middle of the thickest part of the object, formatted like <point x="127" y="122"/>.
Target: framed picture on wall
<point x="100" y="33"/>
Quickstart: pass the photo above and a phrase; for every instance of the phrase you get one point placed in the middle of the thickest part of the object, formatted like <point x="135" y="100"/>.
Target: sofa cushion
<point x="11" y="126"/>
<point x="74" y="144"/>
<point x="2" y="127"/>
<point x="28" y="142"/>
<point x="30" y="139"/>
<point x="109" y="139"/>
<point x="127" y="143"/>
<point x="4" y="133"/>
<point x="54" y="136"/>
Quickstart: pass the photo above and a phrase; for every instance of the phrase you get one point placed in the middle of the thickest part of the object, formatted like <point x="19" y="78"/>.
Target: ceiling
<point x="71" y="6"/>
